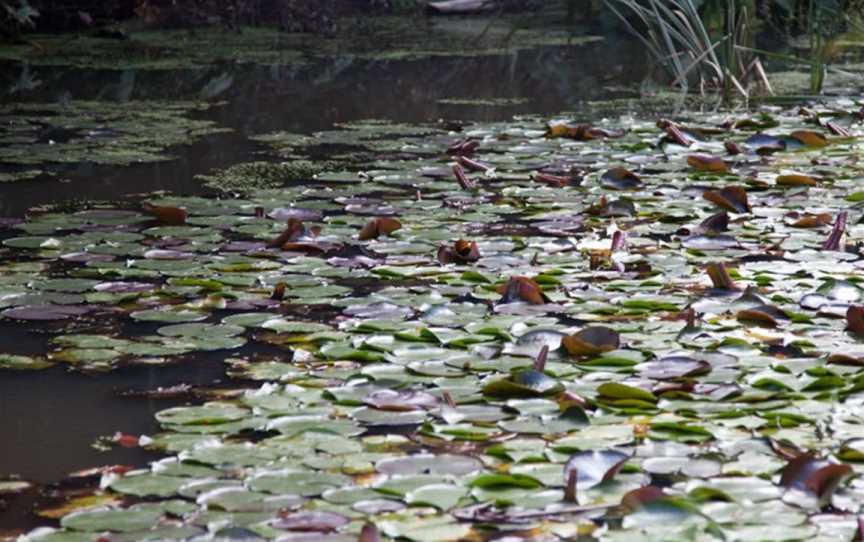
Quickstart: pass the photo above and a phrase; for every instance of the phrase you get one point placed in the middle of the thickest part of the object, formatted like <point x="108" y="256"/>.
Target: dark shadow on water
<point x="50" y="419"/>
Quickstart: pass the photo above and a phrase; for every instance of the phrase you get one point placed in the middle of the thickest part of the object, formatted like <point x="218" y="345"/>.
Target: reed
<point x="677" y="38"/>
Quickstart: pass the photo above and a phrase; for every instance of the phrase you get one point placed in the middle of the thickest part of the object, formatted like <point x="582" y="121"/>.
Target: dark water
<point x="49" y="419"/>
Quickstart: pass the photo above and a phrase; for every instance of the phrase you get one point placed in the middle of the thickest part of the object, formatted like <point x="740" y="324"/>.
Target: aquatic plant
<point x="613" y="323"/>
<point x="678" y="39"/>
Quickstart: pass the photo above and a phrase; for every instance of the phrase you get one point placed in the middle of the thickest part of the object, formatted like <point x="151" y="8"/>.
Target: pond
<point x="436" y="295"/>
<point x="52" y="419"/>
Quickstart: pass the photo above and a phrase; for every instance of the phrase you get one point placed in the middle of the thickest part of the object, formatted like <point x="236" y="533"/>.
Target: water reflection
<point x="308" y="97"/>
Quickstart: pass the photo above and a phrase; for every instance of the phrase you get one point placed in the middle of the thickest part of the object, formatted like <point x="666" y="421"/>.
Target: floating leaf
<point x="457" y="465"/>
<point x="765" y="144"/>
<point x="523" y="383"/>
<point x="461" y="252"/>
<point x="716" y="223"/>
<point x="400" y="401"/>
<point x="620" y="178"/>
<point x="557" y="181"/>
<point x="855" y="319"/>
<point x="168" y="216"/>
<point x="720" y="277"/>
<point x="591" y="341"/>
<point x="710" y="242"/>
<point x="497" y="481"/>
<point x="731" y="198"/>
<point x="810" y="138"/>
<point x="118" y="520"/>
<point x="795" y="179"/>
<point x="522" y="289"/>
<point x="294" y="231"/>
<point x="765" y="315"/>
<point x="815" y="477"/>
<point x="580" y="132"/>
<point x="622" y="394"/>
<point x="369" y="533"/>
<point x="45" y="312"/>
<point x="681" y="432"/>
<point x="313" y="521"/>
<point x="441" y="496"/>
<point x="616" y="208"/>
<point x="672" y="367"/>
<point x="594" y="467"/>
<point x="377" y="227"/>
<point x="706" y="162"/>
<point x="812" y="221"/>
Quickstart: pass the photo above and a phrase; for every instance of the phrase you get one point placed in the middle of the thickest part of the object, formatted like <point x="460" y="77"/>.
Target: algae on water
<point x="251" y="176"/>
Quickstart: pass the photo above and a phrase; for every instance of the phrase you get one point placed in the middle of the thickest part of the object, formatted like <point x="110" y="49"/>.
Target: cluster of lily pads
<point x="37" y="137"/>
<point x="628" y="330"/>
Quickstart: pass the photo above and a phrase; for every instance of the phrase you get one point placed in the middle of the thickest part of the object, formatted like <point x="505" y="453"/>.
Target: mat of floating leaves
<point x="632" y="330"/>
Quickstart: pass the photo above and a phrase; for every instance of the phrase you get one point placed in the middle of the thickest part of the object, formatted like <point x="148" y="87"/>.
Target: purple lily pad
<point x="673" y="367"/>
<point x="123" y="287"/>
<point x="45" y="312"/>
<point x="159" y="254"/>
<point x="84" y="257"/>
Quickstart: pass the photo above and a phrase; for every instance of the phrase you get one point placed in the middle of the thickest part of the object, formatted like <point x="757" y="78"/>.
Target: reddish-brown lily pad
<point x="810" y="138"/>
<point x="591" y="341"/>
<point x="731" y="198"/>
<point x="461" y="252"/>
<point x="707" y="163"/>
<point x="167" y="216"/>
<point x="378" y="227"/>
<point x="796" y="179"/>
<point x="522" y="289"/>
